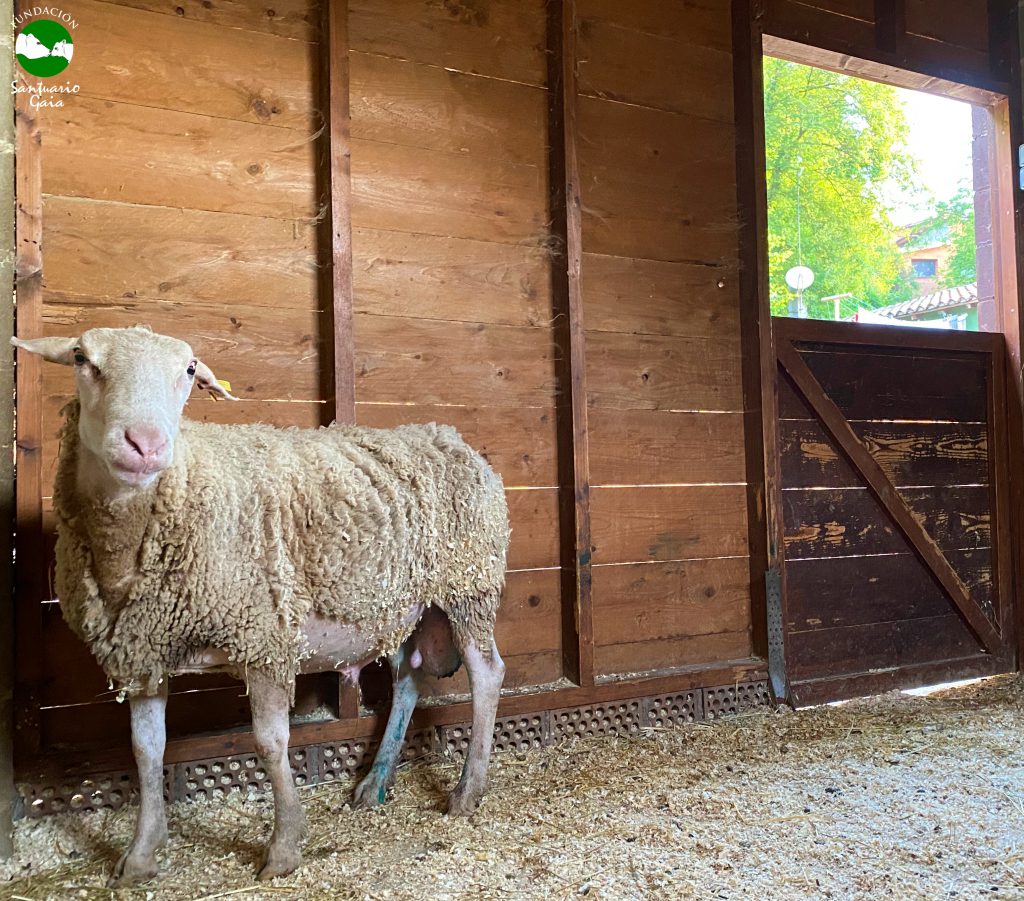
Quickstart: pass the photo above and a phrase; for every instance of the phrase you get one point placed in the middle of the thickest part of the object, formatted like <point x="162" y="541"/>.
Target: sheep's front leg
<point x="269" y="703"/>
<point x="486" y="673"/>
<point x="149" y="736"/>
<point x="372" y="790"/>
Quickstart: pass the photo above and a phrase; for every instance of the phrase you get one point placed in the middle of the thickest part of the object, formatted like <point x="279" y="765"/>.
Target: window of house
<point x="925" y="268"/>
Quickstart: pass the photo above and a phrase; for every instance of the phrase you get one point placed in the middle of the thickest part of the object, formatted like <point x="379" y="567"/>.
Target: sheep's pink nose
<point x="148" y="441"/>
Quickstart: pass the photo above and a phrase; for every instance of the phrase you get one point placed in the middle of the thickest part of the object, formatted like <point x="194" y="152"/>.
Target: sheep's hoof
<point x="463" y="803"/>
<point x="128" y="873"/>
<point x="279" y="861"/>
<point x="369" y="793"/>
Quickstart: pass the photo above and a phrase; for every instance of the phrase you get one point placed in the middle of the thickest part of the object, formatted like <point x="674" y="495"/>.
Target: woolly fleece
<point x="253" y="528"/>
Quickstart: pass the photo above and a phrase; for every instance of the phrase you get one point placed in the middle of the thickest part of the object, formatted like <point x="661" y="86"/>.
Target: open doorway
<point x="880" y="205"/>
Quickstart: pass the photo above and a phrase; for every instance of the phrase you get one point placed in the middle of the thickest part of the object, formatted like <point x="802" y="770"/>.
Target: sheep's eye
<point x="191" y="369"/>
<point x="80" y="359"/>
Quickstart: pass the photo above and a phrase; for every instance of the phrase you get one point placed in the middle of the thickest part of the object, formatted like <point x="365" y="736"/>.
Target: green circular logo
<point x="44" y="48"/>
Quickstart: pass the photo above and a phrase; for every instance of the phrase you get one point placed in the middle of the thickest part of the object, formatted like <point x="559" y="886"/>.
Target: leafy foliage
<point x="838" y="141"/>
<point x="957" y="216"/>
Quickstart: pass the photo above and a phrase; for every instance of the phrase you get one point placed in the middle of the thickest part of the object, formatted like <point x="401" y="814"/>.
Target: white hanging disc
<point x="799" y="278"/>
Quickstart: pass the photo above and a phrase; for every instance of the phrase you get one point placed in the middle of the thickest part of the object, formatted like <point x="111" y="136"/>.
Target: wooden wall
<point x="182" y="188"/>
<point x="661" y="313"/>
<point x="452" y="284"/>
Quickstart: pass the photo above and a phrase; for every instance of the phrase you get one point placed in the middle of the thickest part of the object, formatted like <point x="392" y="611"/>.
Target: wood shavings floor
<point x="894" y="797"/>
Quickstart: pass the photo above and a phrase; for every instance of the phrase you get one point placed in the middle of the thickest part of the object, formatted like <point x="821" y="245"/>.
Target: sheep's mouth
<point x="138" y="478"/>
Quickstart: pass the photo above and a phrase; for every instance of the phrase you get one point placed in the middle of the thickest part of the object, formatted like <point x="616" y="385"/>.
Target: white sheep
<point x="186" y="547"/>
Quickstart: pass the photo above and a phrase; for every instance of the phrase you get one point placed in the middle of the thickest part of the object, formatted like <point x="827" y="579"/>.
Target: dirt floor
<point x="895" y="797"/>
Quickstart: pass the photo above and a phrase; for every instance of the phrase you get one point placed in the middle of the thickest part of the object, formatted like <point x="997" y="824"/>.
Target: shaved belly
<point x="326" y="645"/>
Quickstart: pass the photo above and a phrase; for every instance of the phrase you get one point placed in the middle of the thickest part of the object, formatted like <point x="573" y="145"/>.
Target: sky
<point x="940" y="137"/>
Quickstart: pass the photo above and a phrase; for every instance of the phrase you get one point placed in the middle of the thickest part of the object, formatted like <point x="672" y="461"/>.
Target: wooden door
<point x="893" y="493"/>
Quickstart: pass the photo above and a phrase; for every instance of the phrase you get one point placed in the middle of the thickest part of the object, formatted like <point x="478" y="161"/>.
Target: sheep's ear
<point x="206" y="380"/>
<point x="56" y="350"/>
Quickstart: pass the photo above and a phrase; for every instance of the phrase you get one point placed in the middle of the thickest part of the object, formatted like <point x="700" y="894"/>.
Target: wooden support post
<point x="567" y="256"/>
<point x="8" y="795"/>
<point x="890" y="25"/>
<point x="338" y="366"/>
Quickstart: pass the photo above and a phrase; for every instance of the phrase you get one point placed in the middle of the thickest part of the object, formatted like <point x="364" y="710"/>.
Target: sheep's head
<point x="132" y="386"/>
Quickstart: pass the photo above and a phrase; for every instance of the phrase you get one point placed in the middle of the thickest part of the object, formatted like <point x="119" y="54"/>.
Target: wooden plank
<point x="956" y="22"/>
<point x="904" y="517"/>
<point x="645" y="447"/>
<point x="447" y="194"/>
<point x="520" y="443"/>
<point x="296" y="19"/>
<point x="881" y="339"/>
<point x="9" y="796"/>
<point x="848" y="521"/>
<point x="425" y="361"/>
<point x="641" y="602"/>
<point x="488" y="37"/>
<point x="668" y="523"/>
<point x="339" y="367"/>
<point x="858" y="649"/>
<point x="533" y="513"/>
<point x="653" y="372"/>
<point x="668" y="654"/>
<point x="640" y="198"/>
<point x="825" y="690"/>
<point x="178" y="160"/>
<point x="867" y="386"/>
<point x="266" y="354"/>
<point x="565" y="177"/>
<point x="851" y="591"/>
<point x="402" y="102"/>
<point x="924" y="453"/>
<point x="431" y="277"/>
<point x="232" y="74"/>
<point x="651" y="297"/>
<point x="30" y="560"/>
<point x="114" y="252"/>
<point x="873" y="70"/>
<point x="84" y="727"/>
<point x="627" y="65"/>
<point x="702" y="23"/>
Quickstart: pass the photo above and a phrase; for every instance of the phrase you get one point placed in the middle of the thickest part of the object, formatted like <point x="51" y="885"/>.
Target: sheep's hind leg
<point x="372" y="790"/>
<point x="486" y="672"/>
<point x="149" y="737"/>
<point x="269" y="703"/>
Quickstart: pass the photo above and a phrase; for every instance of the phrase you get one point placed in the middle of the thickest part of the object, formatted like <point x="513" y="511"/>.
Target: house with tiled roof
<point x="956" y="308"/>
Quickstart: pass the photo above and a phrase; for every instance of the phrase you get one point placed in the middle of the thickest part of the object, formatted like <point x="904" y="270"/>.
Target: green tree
<point x="956" y="216"/>
<point x="839" y="143"/>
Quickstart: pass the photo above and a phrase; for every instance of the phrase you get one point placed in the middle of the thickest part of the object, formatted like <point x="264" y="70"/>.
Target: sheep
<point x="188" y="547"/>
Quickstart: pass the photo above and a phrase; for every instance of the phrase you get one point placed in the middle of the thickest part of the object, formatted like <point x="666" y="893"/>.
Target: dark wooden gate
<point x="894" y="501"/>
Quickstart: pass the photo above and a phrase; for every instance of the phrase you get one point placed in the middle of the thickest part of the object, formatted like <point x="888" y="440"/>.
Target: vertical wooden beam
<point x="338" y="361"/>
<point x="8" y="794"/>
<point x="31" y="571"/>
<point x="760" y="371"/>
<point x="890" y="25"/>
<point x="567" y="256"/>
